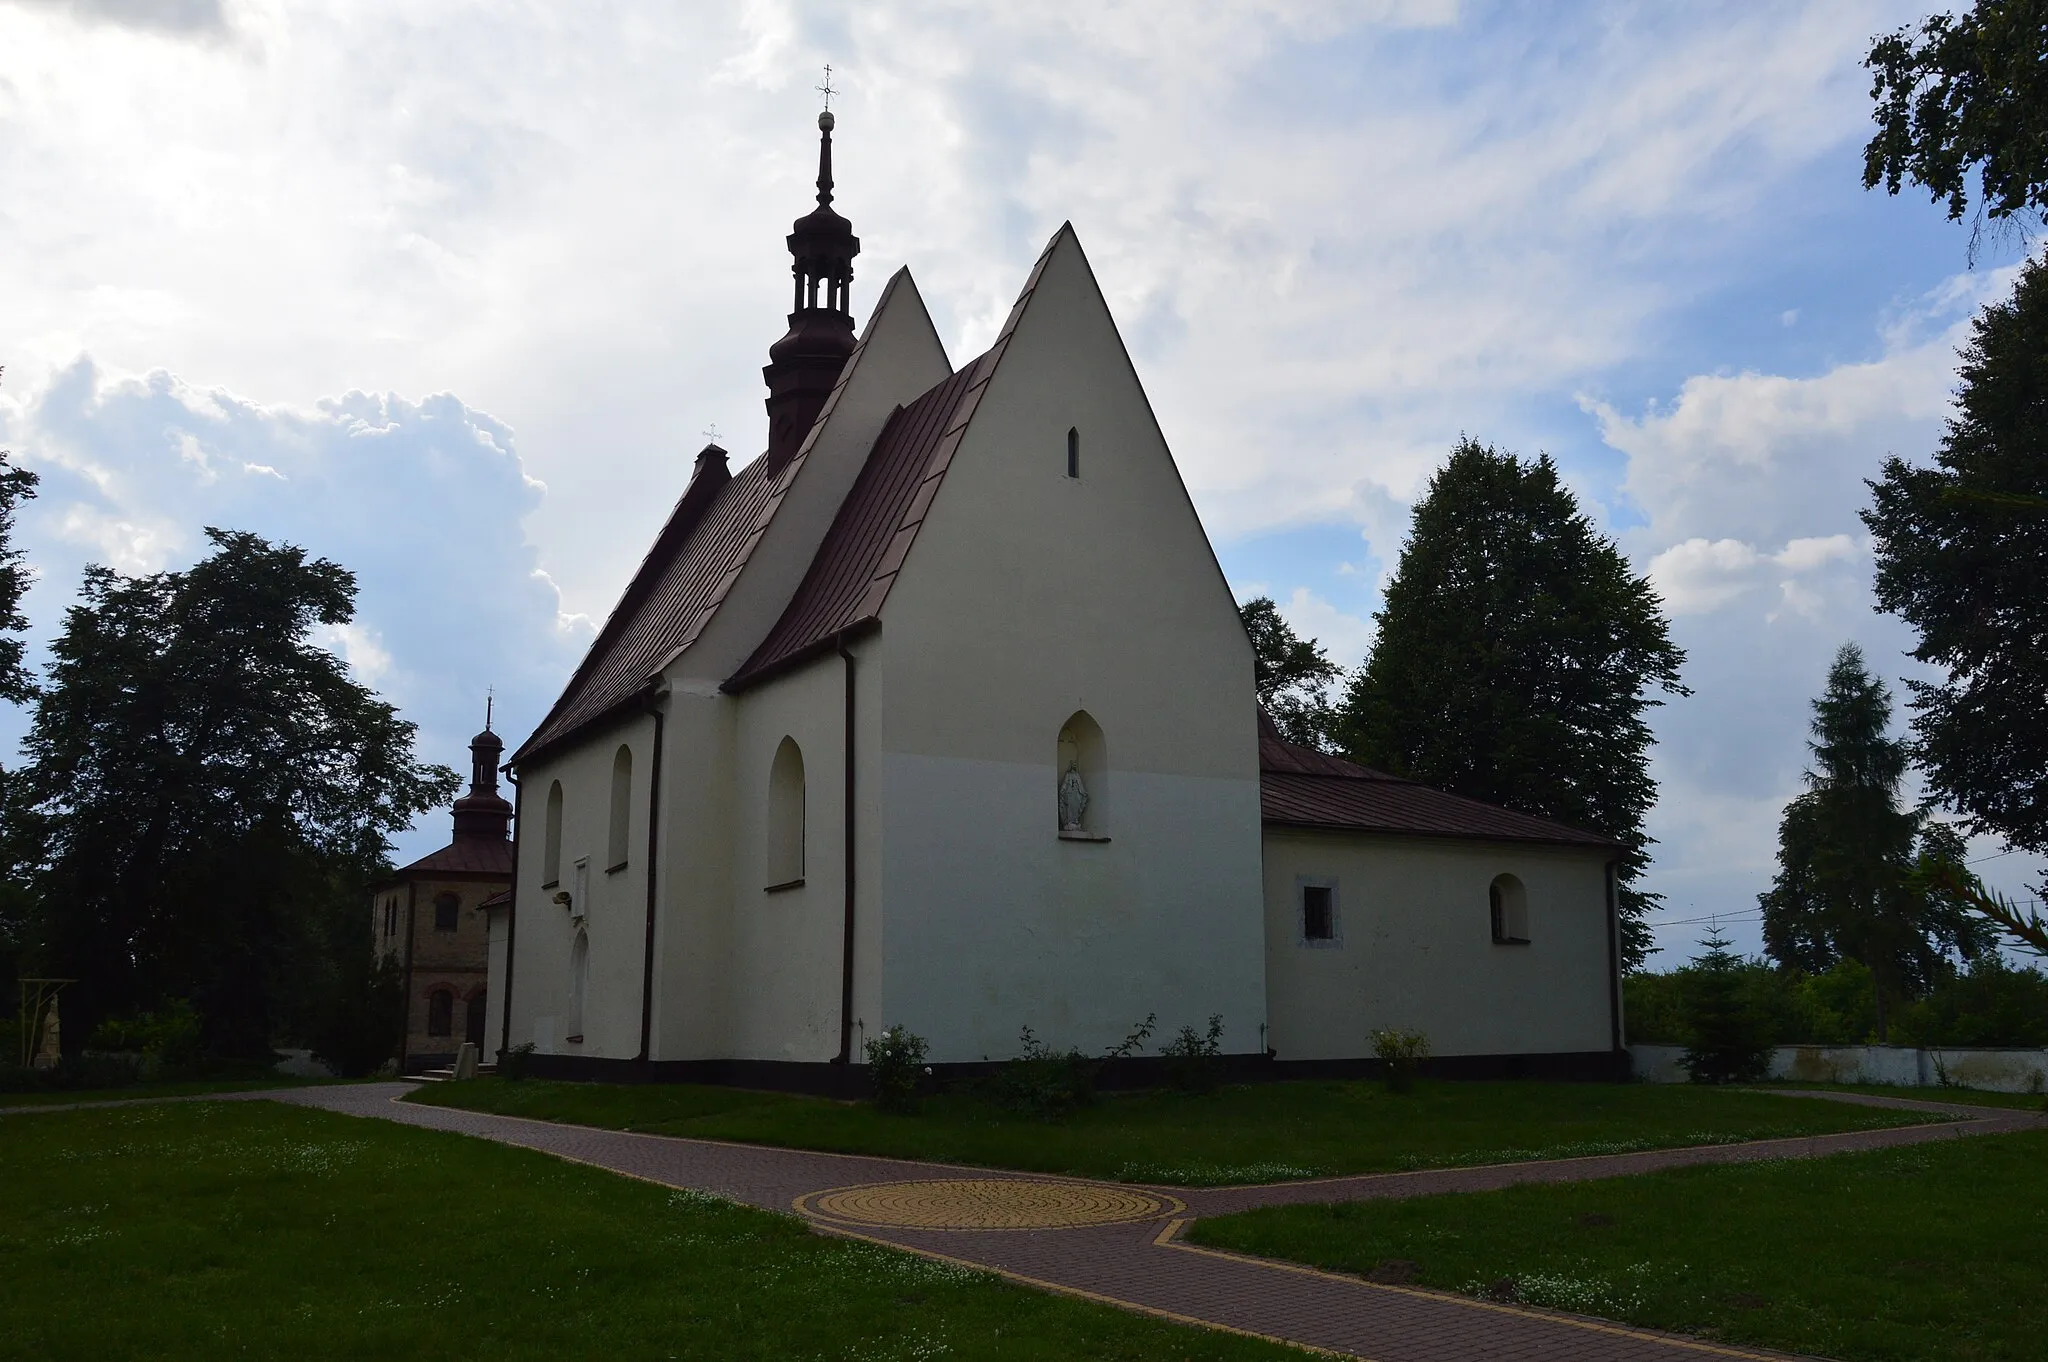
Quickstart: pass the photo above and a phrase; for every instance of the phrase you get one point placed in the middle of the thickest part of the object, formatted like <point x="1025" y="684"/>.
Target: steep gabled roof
<point x="857" y="563"/>
<point x="686" y="576"/>
<point x="676" y="586"/>
<point x="1300" y="787"/>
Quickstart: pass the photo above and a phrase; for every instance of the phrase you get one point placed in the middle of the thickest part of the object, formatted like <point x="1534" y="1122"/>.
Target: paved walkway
<point x="1120" y="1244"/>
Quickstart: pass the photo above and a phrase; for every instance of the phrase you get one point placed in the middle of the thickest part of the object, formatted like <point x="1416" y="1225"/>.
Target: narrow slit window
<point x="1073" y="452"/>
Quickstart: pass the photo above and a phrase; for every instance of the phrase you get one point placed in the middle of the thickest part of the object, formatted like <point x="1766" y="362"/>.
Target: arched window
<point x="579" y="983"/>
<point x="622" y="807"/>
<point x="1082" y="780"/>
<point x="441" y="1012"/>
<point x="447" y="908"/>
<point x="551" y="840"/>
<point x="1508" y="903"/>
<point x="785" y="869"/>
<point x="1073" y="452"/>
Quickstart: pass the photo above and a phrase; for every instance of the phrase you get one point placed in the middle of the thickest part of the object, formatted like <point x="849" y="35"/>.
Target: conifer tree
<point x="1847" y="852"/>
<point x="1517" y="660"/>
<point x="1725" y="1040"/>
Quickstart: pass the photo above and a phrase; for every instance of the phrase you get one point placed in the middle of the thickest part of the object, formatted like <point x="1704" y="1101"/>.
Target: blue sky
<point x="450" y="295"/>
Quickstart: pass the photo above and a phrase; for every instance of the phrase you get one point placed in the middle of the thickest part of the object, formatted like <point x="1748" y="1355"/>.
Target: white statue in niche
<point x="1073" y="799"/>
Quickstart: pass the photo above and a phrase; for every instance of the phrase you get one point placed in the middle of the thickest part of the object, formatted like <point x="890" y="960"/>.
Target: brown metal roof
<point x="684" y="578"/>
<point x="847" y="579"/>
<point x="857" y="563"/>
<point x="1300" y="787"/>
<point x="464" y="856"/>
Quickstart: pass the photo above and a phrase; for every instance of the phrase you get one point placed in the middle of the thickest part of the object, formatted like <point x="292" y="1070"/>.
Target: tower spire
<point x="805" y="363"/>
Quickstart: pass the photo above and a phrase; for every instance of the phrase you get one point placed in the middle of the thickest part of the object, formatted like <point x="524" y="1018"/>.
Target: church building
<point x="939" y="713"/>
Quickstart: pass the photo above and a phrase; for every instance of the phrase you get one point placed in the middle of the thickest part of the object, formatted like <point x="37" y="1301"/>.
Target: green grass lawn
<point x="211" y="1230"/>
<point x="185" y="1088"/>
<point x="1264" y="1132"/>
<point x="1931" y="1252"/>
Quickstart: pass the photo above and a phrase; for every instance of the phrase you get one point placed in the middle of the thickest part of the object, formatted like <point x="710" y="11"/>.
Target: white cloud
<point x="1344" y="637"/>
<point x="424" y="501"/>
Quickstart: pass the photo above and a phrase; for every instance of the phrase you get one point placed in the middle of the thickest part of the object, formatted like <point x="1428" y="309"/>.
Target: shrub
<point x="1194" y="1062"/>
<point x="1726" y="1042"/>
<point x="512" y="1063"/>
<point x="1989" y="1003"/>
<point x="1401" y="1054"/>
<point x="1050" y="1084"/>
<point x="895" y="1066"/>
<point x="166" y="1039"/>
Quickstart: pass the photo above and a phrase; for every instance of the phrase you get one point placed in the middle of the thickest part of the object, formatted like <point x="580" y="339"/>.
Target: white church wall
<point x="899" y="358"/>
<point x="693" y="931"/>
<point x="1414" y="949"/>
<point x="784" y="968"/>
<point x="609" y="906"/>
<point x="1027" y="596"/>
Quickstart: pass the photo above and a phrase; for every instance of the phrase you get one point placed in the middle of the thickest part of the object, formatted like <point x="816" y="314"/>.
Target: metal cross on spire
<point x="826" y="89"/>
<point x="490" y="701"/>
<point x="710" y="432"/>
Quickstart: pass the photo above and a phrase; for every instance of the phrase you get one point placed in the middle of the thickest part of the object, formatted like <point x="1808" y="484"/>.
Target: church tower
<point x="483" y="813"/>
<point x="805" y="363"/>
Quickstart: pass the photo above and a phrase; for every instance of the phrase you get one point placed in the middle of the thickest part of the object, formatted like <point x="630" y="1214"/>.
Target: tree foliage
<point x="1847" y="853"/>
<point x="1517" y="659"/>
<point x="16" y="486"/>
<point x="1293" y="675"/>
<point x="1962" y="556"/>
<point x="1726" y="1041"/>
<point x="1964" y="94"/>
<point x="207" y="787"/>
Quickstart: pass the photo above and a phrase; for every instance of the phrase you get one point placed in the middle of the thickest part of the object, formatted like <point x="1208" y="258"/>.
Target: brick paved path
<point x="1134" y="1260"/>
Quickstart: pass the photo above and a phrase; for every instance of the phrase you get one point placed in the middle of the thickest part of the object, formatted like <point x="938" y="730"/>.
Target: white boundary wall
<point x="1991" y="1070"/>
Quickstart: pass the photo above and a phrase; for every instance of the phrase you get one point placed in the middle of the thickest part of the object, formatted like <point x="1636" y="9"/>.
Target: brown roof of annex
<point x="1300" y="787"/>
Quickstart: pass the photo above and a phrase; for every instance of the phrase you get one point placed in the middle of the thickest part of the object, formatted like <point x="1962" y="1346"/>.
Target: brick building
<point x="427" y="916"/>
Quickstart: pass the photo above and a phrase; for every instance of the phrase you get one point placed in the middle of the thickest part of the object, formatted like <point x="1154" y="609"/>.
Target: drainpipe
<point x="511" y="913"/>
<point x="647" y="953"/>
<point x="1614" y="957"/>
<point x="846" y="944"/>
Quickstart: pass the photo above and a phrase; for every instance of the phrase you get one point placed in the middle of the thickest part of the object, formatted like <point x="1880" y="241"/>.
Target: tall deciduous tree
<point x="1517" y="659"/>
<point x="1847" y="853"/>
<point x="1962" y="556"/>
<point x="1964" y="94"/>
<point x="16" y="486"/>
<point x="209" y="783"/>
<point x="1293" y="675"/>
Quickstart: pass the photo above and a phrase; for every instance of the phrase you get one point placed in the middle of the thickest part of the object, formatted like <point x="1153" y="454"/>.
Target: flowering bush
<point x="895" y="1066"/>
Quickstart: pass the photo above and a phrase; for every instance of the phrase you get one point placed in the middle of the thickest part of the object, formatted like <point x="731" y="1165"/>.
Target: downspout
<point x="1613" y="958"/>
<point x="412" y="891"/>
<point x="647" y="954"/>
<point x="846" y="944"/>
<point x="511" y="915"/>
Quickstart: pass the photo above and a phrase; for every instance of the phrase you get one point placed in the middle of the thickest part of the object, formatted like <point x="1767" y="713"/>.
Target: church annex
<point x="940" y="713"/>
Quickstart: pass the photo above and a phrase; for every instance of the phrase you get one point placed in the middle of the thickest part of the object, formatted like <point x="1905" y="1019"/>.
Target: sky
<point x="452" y="294"/>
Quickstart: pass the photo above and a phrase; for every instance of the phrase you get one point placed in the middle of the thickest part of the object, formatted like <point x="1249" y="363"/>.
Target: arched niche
<point x="551" y="839"/>
<point x="622" y="808"/>
<point x="1081" y="753"/>
<point x="785" y="840"/>
<point x="1507" y="903"/>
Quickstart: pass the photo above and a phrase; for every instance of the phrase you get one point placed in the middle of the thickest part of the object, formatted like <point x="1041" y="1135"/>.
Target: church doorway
<point x="473" y="1031"/>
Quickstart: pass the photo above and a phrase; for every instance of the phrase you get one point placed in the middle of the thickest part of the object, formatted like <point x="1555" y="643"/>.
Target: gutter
<point x="647" y="953"/>
<point x="511" y="914"/>
<point x="1614" y="956"/>
<point x="846" y="942"/>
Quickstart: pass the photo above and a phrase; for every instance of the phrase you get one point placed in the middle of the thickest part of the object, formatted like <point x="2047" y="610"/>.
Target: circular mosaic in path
<point x="986" y="1204"/>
